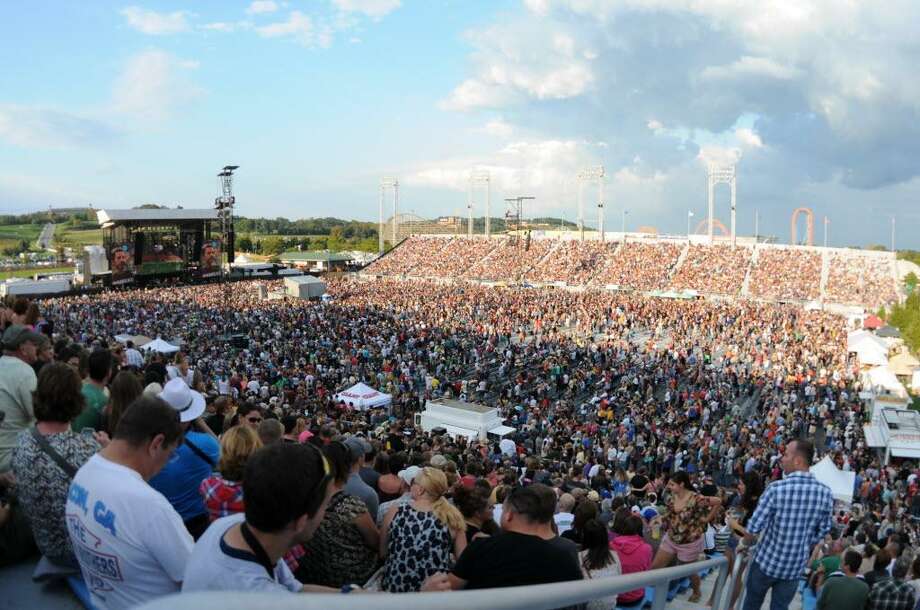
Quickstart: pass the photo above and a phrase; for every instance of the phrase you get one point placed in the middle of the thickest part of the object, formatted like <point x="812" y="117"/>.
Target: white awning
<point x="905" y="452"/>
<point x="873" y="436"/>
<point x="501" y="430"/>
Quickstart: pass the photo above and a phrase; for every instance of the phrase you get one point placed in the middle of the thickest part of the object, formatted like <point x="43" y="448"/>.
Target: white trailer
<point x="459" y="418"/>
<point x="24" y="287"/>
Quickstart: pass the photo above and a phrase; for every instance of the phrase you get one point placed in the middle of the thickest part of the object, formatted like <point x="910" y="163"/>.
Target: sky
<point x="815" y="102"/>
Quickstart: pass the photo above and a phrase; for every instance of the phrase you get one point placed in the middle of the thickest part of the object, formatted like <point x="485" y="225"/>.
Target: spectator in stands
<point x="633" y="552"/>
<point x="358" y="448"/>
<point x="405" y="478"/>
<point x="223" y="491"/>
<point x="476" y="507"/>
<point x="527" y="552"/>
<point x="248" y="414"/>
<point x="192" y="462"/>
<point x="688" y="514"/>
<point x="94" y="390"/>
<point x="130" y="542"/>
<point x="43" y="354"/>
<point x="585" y="511"/>
<point x="124" y="389"/>
<point x="47" y="458"/>
<point x="598" y="561"/>
<point x="794" y="514"/>
<point x="844" y="589"/>
<point x="893" y="592"/>
<point x="564" y="516"/>
<point x="345" y="548"/>
<point x="879" y="568"/>
<point x="17" y="382"/>
<point x="133" y="358"/>
<point x="270" y="431"/>
<point x="368" y="472"/>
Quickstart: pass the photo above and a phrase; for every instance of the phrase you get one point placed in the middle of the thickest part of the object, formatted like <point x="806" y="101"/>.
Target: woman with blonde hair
<point x="223" y="491"/>
<point x="419" y="537"/>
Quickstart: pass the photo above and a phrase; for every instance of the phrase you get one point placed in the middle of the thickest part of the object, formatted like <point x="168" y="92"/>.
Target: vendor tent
<point x="883" y="380"/>
<point x="841" y="482"/>
<point x="873" y="322"/>
<point x="903" y="364"/>
<point x="870" y="350"/>
<point x="160" y="346"/>
<point x="139" y="340"/>
<point x="363" y="397"/>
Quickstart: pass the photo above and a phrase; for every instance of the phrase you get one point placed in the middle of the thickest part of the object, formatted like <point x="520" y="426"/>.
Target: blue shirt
<point x="793" y="515"/>
<point x="182" y="476"/>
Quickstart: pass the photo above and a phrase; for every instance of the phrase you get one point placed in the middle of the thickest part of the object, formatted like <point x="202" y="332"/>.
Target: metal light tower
<point x="224" y="205"/>
<point x="478" y="179"/>
<point x="721" y="174"/>
<point x="587" y="176"/>
<point x="514" y="215"/>
<point x="386" y="184"/>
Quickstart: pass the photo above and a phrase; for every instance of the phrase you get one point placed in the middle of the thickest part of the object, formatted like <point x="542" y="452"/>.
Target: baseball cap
<point x="17" y="334"/>
<point x="357" y="446"/>
<point x="189" y="403"/>
<point x="408" y="475"/>
<point x="649" y="513"/>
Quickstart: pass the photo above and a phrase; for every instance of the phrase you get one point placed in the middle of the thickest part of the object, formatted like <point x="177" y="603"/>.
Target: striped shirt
<point x="793" y="515"/>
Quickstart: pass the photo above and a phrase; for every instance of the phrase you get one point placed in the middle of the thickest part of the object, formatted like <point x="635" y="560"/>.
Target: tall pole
<point x="623" y="227"/>
<point x="711" y="203"/>
<point x="733" y="210"/>
<point x="380" y="228"/>
<point x="395" y="208"/>
<point x="488" y="206"/>
<point x="826" y="222"/>
<point x="469" y="212"/>
<point x="600" y="208"/>
<point x="689" y="216"/>
<point x="581" y="213"/>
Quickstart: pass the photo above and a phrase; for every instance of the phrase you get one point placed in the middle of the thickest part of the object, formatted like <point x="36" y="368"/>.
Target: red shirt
<point x="221" y="497"/>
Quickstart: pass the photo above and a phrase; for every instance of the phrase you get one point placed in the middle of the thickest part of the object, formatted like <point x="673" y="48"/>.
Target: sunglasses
<point x="254" y="420"/>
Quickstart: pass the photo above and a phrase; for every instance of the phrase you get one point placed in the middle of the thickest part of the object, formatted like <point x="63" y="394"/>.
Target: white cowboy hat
<point x="189" y="403"/>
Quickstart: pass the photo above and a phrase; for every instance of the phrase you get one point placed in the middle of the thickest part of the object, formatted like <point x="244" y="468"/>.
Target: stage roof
<point x="109" y="217"/>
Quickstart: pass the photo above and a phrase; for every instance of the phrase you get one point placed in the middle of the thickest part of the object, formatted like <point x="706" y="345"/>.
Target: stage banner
<point x="209" y="265"/>
<point x="122" y="263"/>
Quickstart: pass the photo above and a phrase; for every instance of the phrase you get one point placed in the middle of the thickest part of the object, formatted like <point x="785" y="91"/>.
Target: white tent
<point x="363" y="397"/>
<point x="871" y="350"/>
<point x="841" y="482"/>
<point x="882" y="379"/>
<point x="160" y="346"/>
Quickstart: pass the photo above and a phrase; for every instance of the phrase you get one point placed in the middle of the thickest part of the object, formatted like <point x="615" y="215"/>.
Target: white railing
<point x="535" y="597"/>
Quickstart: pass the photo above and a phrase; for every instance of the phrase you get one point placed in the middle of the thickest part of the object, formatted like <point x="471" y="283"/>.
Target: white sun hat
<point x="189" y="403"/>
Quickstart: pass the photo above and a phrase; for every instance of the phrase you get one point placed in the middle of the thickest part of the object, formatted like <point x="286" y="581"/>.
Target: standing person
<point x="633" y="552"/>
<point x="686" y="520"/>
<point x="192" y="462"/>
<point x="356" y="486"/>
<point x="99" y="369"/>
<point x="844" y="589"/>
<point x="418" y="538"/>
<point x="223" y="491"/>
<point x="130" y="542"/>
<point x="893" y="592"/>
<point x="133" y="358"/>
<point x="527" y="552"/>
<point x="42" y="481"/>
<point x="17" y="382"/>
<point x="598" y="561"/>
<point x="794" y="514"/>
<point x="345" y="548"/>
<point x="125" y="389"/>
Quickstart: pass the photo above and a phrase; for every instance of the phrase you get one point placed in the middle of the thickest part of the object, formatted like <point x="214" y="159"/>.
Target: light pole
<point x="623" y="227"/>
<point x="689" y="216"/>
<point x="826" y="222"/>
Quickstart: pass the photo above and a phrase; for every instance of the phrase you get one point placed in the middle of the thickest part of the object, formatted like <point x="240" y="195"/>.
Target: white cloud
<point x="34" y="127"/>
<point x="227" y="27"/>
<point x="375" y="9"/>
<point x="747" y="66"/>
<point x="153" y="85"/>
<point x="748" y="138"/>
<point x="153" y="23"/>
<point x="498" y="128"/>
<point x="260" y="7"/>
<point x="299" y="27"/>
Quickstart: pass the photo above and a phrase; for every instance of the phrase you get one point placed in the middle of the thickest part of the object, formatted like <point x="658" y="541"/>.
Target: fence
<point x="536" y="597"/>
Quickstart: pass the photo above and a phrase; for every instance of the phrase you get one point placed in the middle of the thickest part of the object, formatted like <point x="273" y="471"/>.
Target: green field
<point x="81" y="238"/>
<point x="5" y="275"/>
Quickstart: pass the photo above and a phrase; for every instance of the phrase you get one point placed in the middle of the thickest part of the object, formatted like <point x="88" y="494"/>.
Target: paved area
<point x="47" y="234"/>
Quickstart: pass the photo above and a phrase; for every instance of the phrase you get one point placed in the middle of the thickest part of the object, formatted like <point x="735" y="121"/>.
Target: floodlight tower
<point x="224" y="205"/>
<point x="721" y="174"/>
<point x="587" y="176"/>
<point x="386" y="184"/>
<point x="514" y="214"/>
<point x="478" y="179"/>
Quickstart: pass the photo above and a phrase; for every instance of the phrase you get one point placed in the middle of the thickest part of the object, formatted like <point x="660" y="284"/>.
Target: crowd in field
<point x="648" y="432"/>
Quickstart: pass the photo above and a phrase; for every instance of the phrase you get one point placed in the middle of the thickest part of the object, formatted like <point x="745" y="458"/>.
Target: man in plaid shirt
<point x="893" y="593"/>
<point x="793" y="515"/>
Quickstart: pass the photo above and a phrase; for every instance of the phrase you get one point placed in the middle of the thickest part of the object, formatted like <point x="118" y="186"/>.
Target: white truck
<point x="460" y="418"/>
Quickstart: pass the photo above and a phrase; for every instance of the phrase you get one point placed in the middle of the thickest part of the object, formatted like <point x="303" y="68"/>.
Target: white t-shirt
<point x="216" y="566"/>
<point x="564" y="522"/>
<point x="131" y="544"/>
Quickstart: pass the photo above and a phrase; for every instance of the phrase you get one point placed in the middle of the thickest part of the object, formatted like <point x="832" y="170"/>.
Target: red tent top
<point x="873" y="322"/>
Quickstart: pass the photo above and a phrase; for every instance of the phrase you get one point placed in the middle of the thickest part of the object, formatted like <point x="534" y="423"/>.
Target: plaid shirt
<point x="891" y="594"/>
<point x="793" y="515"/>
<point x="221" y="497"/>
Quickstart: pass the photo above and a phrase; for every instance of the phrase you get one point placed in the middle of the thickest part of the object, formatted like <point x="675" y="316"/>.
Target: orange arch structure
<point x="647" y="229"/>
<point x="809" y="225"/>
<point x="716" y="224"/>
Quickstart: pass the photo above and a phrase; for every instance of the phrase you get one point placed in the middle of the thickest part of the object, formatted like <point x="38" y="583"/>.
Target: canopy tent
<point x="160" y="346"/>
<point x="882" y="378"/>
<point x="841" y="482"/>
<point x="138" y="340"/>
<point x="872" y="322"/>
<point x="870" y="350"/>
<point x="903" y="364"/>
<point x="363" y="397"/>
<point x="888" y="332"/>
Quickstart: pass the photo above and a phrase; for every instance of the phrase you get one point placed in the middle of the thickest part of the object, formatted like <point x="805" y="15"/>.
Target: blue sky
<point x="117" y="104"/>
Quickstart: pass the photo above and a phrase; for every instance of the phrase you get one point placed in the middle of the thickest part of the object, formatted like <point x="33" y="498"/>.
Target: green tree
<point x="273" y="245"/>
<point x="245" y="244"/>
<point x="910" y="281"/>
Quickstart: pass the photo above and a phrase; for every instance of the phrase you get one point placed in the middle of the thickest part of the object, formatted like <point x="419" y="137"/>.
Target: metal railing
<point x="534" y="597"/>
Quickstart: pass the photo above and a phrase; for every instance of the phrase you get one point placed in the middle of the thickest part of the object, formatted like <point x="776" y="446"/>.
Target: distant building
<point x="318" y="261"/>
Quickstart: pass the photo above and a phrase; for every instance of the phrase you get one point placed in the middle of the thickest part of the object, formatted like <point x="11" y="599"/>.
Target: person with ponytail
<point x="420" y="537"/>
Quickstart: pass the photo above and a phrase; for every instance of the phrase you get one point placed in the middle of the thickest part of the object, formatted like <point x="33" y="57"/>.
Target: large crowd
<point x="648" y="432"/>
<point x="773" y="273"/>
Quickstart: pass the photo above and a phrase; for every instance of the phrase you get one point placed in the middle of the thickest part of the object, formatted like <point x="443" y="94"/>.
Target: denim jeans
<point x="759" y="583"/>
